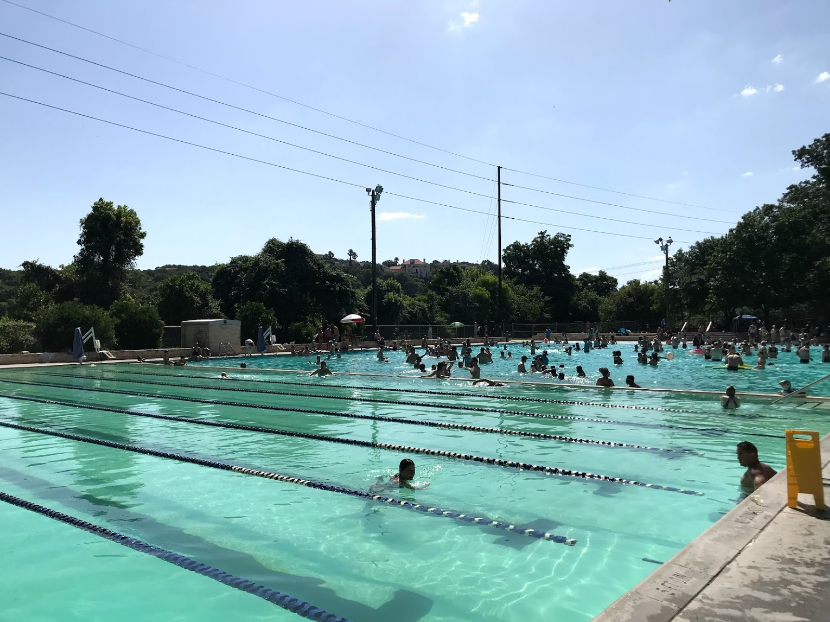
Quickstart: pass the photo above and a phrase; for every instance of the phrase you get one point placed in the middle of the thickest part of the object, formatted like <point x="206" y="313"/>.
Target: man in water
<point x="804" y="353"/>
<point x="757" y="473"/>
<point x="521" y="367"/>
<point x="605" y="380"/>
<point x="323" y="370"/>
<point x="825" y="354"/>
<point x="733" y="360"/>
<point x="488" y="382"/>
<point x="730" y="401"/>
<point x="629" y="380"/>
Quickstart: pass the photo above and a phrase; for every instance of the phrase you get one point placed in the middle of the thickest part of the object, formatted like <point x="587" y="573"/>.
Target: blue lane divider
<point x="432" y="424"/>
<point x="224" y="466"/>
<point x="512" y="398"/>
<point x="294" y="605"/>
<point x="523" y="466"/>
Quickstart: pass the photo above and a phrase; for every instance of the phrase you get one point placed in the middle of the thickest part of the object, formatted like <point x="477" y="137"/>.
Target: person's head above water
<point x="730" y="391"/>
<point x="406" y="470"/>
<point x="604" y="371"/>
<point x="747" y="454"/>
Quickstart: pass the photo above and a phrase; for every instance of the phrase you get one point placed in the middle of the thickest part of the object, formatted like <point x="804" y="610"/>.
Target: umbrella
<point x="457" y="325"/>
<point x="353" y="318"/>
<point x="78" y="345"/>
<point x="745" y="317"/>
<point x="260" y="341"/>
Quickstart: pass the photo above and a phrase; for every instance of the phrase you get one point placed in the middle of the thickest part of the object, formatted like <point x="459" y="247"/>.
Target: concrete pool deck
<point x="762" y="562"/>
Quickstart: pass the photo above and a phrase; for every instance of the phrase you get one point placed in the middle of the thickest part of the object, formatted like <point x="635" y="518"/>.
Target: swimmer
<point x="323" y="370"/>
<point x="825" y="354"/>
<point x="629" y="380"/>
<point x="617" y="357"/>
<point x="730" y="401"/>
<point x="605" y="380"/>
<point x="489" y="383"/>
<point x="787" y="388"/>
<point x="580" y="372"/>
<point x="733" y="360"/>
<point x="223" y="376"/>
<point x="521" y="368"/>
<point x="804" y="353"/>
<point x="757" y="473"/>
<point x="167" y="357"/>
<point x="405" y="474"/>
<point x="509" y="354"/>
<point x="243" y="366"/>
<point x="181" y="362"/>
<point x="474" y="369"/>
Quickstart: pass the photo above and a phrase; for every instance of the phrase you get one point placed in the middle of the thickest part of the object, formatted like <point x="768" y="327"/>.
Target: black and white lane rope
<point x="524" y="466"/>
<point x="224" y="466"/>
<point x="433" y="424"/>
<point x="294" y="605"/>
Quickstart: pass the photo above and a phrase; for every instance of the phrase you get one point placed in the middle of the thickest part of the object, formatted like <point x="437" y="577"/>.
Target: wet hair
<point x="406" y="463"/>
<point x="629" y="377"/>
<point x="244" y="365"/>
<point x="561" y="376"/>
<point x="748" y="447"/>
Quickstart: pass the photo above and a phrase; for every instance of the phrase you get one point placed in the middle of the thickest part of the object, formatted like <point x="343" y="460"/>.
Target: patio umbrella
<point x="352" y="318"/>
<point x="78" y="345"/>
<point x="260" y="341"/>
<point x="457" y="325"/>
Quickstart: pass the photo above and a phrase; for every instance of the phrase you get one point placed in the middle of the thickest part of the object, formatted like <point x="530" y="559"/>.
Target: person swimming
<point x="580" y="372"/>
<point x="489" y="383"/>
<point x="323" y="370"/>
<point x="629" y="380"/>
<point x="405" y="474"/>
<point x="730" y="401"/>
<point x="605" y="380"/>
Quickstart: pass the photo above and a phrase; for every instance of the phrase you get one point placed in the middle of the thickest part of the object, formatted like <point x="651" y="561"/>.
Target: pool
<point x="544" y="502"/>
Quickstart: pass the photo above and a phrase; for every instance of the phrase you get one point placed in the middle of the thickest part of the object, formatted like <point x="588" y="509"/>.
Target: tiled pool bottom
<point x="351" y="556"/>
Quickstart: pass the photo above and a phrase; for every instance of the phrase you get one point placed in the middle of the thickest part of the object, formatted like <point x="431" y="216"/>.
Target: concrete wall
<point x="63" y="357"/>
<point x="210" y="333"/>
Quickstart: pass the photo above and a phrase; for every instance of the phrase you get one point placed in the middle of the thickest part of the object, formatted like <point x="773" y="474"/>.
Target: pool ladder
<point x="226" y="349"/>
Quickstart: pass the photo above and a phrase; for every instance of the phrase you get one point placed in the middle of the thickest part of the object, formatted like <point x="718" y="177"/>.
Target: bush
<point x="301" y="332"/>
<point x="253" y="315"/>
<point x="55" y="325"/>
<point x="136" y="327"/>
<point x="15" y="335"/>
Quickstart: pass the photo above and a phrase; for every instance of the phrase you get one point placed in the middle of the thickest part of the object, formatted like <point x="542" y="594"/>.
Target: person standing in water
<point x="730" y="401"/>
<point x="757" y="473"/>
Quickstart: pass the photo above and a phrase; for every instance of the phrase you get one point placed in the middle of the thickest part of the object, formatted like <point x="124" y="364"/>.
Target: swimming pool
<point x="316" y="533"/>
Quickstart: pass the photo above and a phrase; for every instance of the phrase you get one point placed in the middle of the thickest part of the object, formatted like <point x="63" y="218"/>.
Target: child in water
<point x="405" y="475"/>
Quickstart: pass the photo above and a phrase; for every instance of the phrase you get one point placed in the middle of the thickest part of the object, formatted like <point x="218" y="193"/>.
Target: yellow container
<point x="804" y="467"/>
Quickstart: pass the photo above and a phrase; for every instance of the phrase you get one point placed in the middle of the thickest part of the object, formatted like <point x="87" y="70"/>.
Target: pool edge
<point x="678" y="584"/>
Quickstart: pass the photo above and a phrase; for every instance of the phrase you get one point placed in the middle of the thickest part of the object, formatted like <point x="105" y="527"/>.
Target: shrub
<point x="55" y="325"/>
<point x="15" y="335"/>
<point x="253" y="315"/>
<point x="136" y="326"/>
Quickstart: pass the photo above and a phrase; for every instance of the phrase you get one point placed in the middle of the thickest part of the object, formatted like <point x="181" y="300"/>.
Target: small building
<point x="210" y="333"/>
<point x="412" y="267"/>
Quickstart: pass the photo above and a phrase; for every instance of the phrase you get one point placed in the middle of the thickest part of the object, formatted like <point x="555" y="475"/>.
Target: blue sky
<point x="694" y="101"/>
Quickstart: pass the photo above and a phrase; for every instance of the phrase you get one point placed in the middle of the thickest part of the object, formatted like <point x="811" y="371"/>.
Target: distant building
<point x="413" y="267"/>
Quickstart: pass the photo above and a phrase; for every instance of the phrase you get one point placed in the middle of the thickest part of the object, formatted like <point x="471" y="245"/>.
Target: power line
<point x="403" y="175"/>
<point x="222" y="103"/>
<point x="317" y="175"/>
<point x="337" y="116"/>
<point x="636" y="209"/>
<point x="631" y="265"/>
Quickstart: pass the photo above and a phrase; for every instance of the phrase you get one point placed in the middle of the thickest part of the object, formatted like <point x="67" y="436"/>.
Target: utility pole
<point x="665" y="248"/>
<point x="374" y="196"/>
<point x="501" y="316"/>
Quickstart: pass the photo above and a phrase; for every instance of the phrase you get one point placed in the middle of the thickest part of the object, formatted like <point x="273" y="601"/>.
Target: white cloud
<point x="777" y="88"/>
<point x="777" y="59"/>
<point x="670" y="186"/>
<point x="685" y="172"/>
<point x="748" y="174"/>
<point x="796" y="168"/>
<point x="749" y="91"/>
<point x="398" y="215"/>
<point x="823" y="76"/>
<point x="467" y="20"/>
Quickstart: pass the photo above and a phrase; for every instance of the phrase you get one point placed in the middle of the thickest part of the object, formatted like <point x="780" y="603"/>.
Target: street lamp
<point x="374" y="196"/>
<point x="664" y="246"/>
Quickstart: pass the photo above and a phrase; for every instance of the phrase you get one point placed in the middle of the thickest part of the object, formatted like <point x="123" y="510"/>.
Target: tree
<point x="55" y="325"/>
<point x="137" y="327"/>
<point x="253" y="315"/>
<point x="542" y="264"/>
<point x="602" y="283"/>
<point x="352" y="257"/>
<point x="15" y="335"/>
<point x="186" y="297"/>
<point x="111" y="240"/>
<point x="634" y="301"/>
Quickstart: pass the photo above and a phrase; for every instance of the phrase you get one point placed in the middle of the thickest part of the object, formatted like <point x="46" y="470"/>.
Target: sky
<point x="698" y="103"/>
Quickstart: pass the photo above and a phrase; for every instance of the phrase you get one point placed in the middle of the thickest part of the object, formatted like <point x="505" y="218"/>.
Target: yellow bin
<point x="804" y="467"/>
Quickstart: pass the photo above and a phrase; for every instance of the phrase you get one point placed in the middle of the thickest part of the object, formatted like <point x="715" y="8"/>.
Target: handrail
<point x="801" y="389"/>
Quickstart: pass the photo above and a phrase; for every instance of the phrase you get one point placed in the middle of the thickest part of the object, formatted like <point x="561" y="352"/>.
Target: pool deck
<point x="762" y="562"/>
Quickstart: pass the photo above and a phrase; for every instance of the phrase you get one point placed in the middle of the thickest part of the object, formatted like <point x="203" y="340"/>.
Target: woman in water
<point x="730" y="401"/>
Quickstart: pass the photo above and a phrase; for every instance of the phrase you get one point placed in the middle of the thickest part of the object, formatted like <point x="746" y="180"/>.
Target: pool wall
<point x="667" y="592"/>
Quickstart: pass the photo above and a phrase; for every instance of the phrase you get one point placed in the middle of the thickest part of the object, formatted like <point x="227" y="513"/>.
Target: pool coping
<point x="706" y="562"/>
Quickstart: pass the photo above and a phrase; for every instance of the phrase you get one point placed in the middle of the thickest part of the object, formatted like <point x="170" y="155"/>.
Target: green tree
<point x="28" y="302"/>
<point x="634" y="301"/>
<point x="186" y="297"/>
<point x="602" y="283"/>
<point x="253" y="315"/>
<point x="55" y="325"/>
<point x="136" y="326"/>
<point x="111" y="240"/>
<point x="352" y="257"/>
<point x="541" y="263"/>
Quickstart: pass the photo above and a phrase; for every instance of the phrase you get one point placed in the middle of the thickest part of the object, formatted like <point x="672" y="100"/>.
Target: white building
<point x="412" y="267"/>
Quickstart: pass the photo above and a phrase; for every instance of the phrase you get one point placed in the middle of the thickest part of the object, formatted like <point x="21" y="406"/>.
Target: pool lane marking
<point x="515" y="398"/>
<point x="294" y="605"/>
<point x="224" y="466"/>
<point x="433" y="424"/>
<point x="661" y="426"/>
<point x="522" y="466"/>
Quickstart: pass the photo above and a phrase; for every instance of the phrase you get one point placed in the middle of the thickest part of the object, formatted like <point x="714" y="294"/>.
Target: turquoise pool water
<point x="357" y="558"/>
<point x="685" y="371"/>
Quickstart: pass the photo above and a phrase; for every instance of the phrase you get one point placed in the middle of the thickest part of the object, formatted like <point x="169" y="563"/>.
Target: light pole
<point x="374" y="196"/>
<point x="664" y="246"/>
